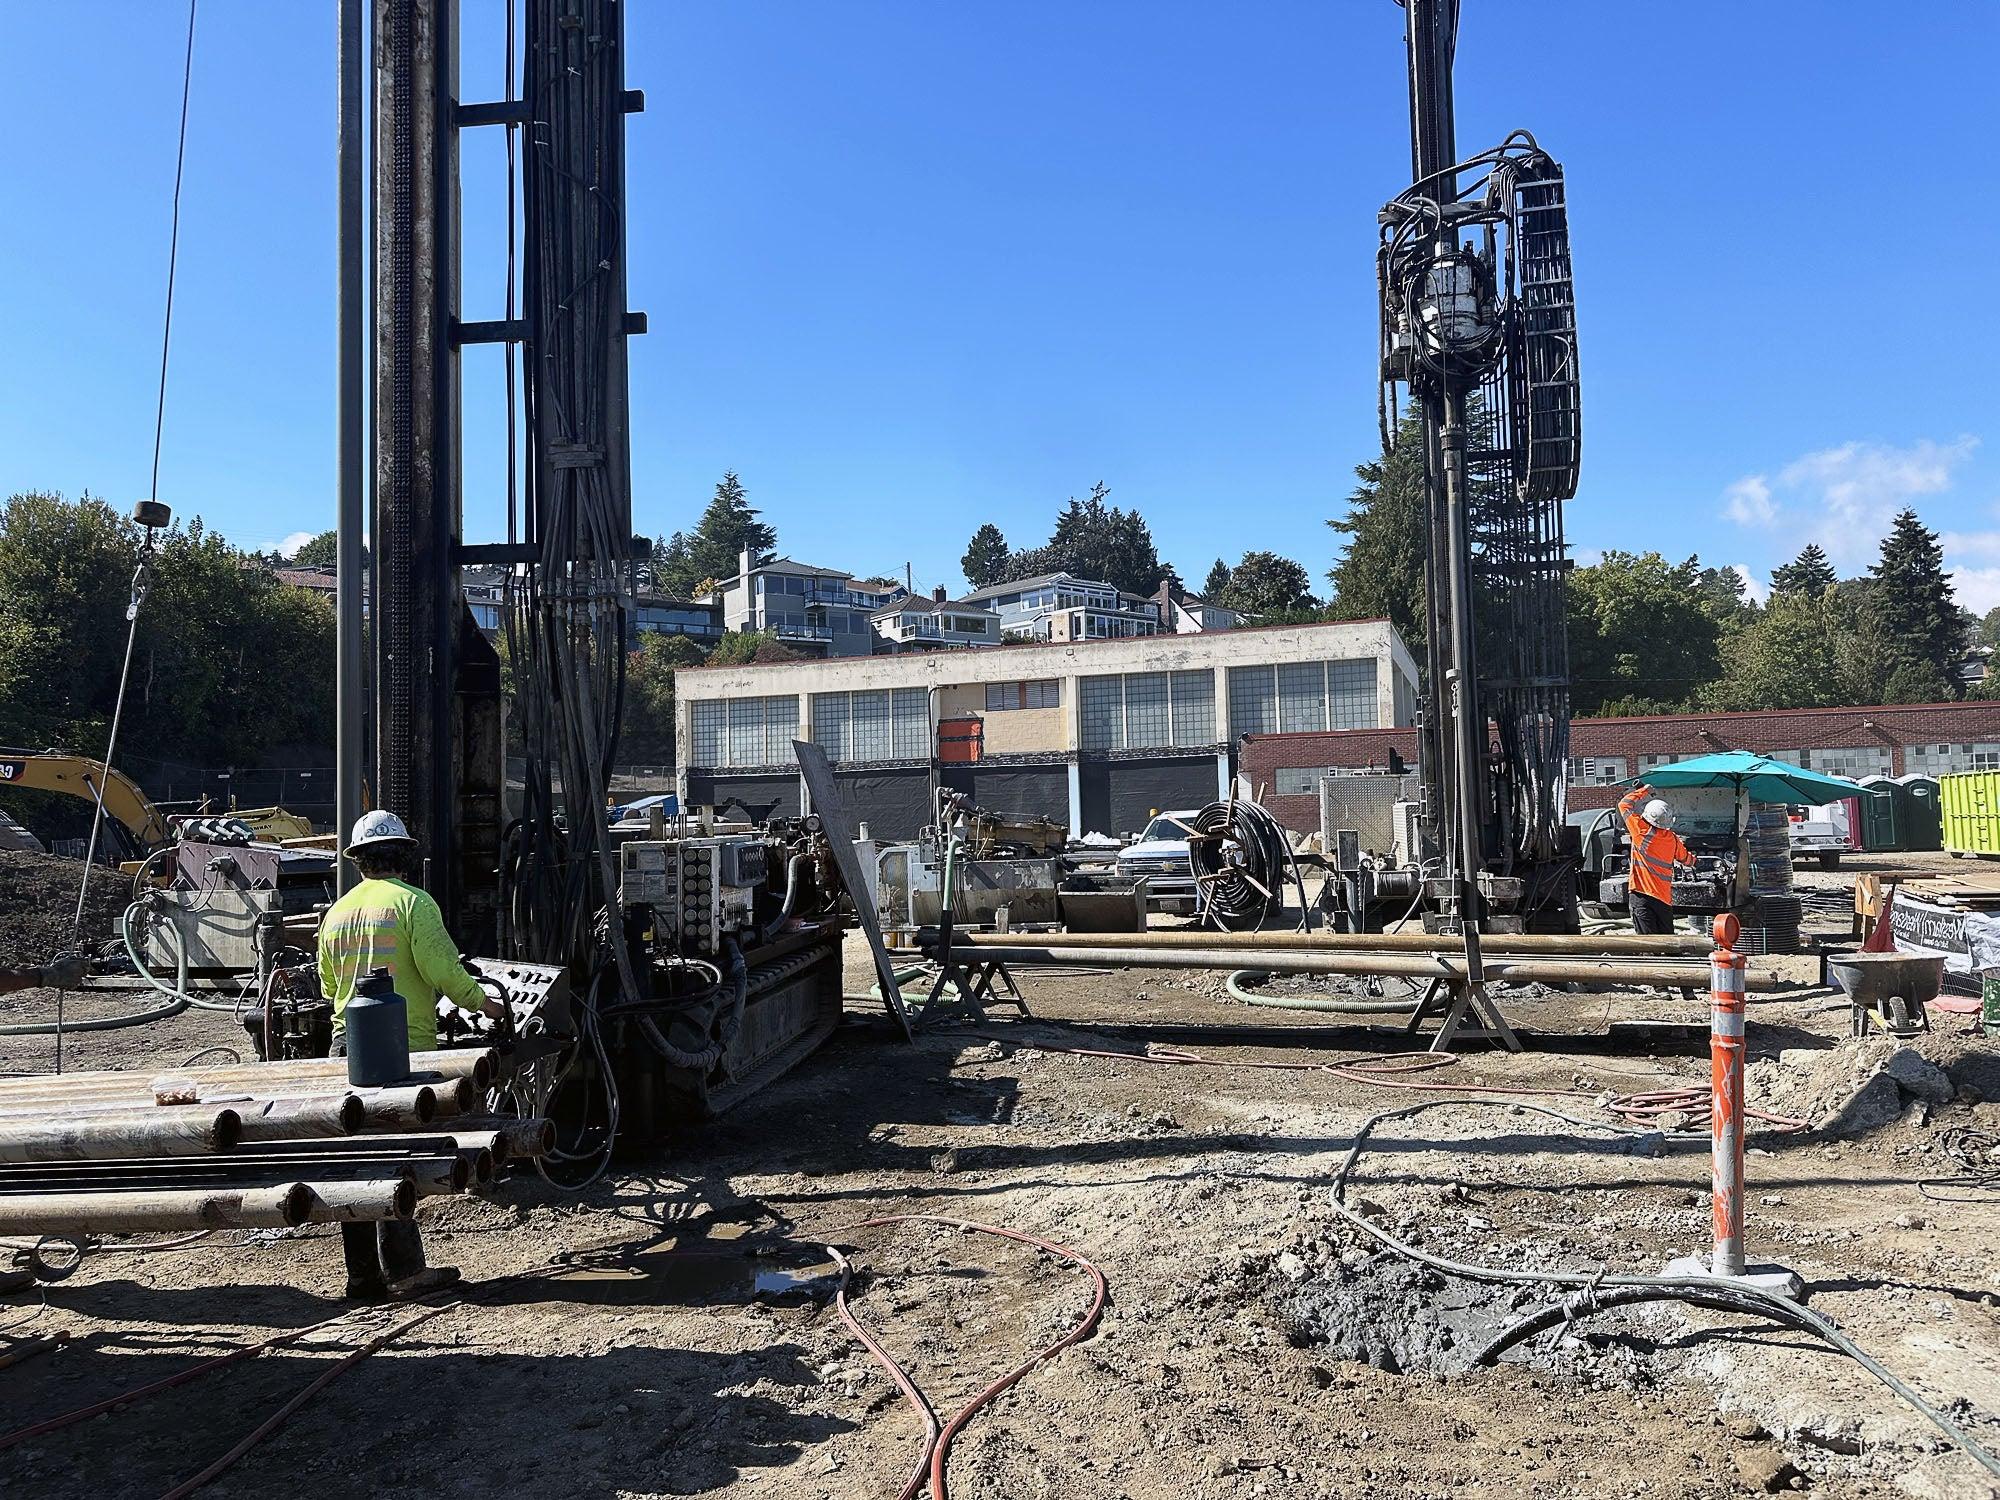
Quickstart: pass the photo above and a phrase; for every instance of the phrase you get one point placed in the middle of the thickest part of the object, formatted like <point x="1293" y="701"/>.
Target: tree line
<point x="1647" y="635"/>
<point x="227" y="663"/>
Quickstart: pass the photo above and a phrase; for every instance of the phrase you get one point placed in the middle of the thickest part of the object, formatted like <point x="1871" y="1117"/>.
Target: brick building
<point x="1927" y="738"/>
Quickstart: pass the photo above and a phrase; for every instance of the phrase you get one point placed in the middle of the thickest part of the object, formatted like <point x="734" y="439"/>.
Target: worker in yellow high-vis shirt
<point x="387" y="923"/>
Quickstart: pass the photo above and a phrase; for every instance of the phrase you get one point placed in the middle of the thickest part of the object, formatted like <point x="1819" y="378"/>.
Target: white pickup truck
<point x="1160" y="854"/>
<point x="1826" y="832"/>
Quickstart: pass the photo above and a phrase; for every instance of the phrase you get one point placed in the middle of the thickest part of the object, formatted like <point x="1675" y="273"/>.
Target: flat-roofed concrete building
<point x="1095" y="734"/>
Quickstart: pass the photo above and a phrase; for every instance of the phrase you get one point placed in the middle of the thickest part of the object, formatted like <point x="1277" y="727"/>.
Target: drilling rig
<point x="1478" y="326"/>
<point x="651" y="974"/>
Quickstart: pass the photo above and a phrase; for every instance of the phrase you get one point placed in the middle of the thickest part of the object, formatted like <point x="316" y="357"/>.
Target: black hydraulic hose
<point x="1769" y="1304"/>
<point x="1240" y="857"/>
<point x="795" y="869"/>
<point x="1722" y="1297"/>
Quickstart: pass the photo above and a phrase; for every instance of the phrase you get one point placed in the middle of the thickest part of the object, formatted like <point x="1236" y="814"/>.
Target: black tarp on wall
<point x="1039" y="790"/>
<point x="713" y="788"/>
<point x="894" y="804"/>
<point x="1120" y="795"/>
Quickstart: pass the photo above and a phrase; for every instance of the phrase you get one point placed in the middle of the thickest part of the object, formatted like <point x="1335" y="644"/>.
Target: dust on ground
<point x="669" y="1332"/>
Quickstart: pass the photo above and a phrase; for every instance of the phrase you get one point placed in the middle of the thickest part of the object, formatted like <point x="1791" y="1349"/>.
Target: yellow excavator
<point x="144" y="825"/>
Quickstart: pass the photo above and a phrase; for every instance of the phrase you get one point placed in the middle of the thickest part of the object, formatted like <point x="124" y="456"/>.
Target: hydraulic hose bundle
<point x="1241" y="858"/>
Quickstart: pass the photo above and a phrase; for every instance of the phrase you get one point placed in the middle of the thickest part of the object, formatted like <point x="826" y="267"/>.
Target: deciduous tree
<point x="322" y="551"/>
<point x="1640" y="638"/>
<point x="1263" y="583"/>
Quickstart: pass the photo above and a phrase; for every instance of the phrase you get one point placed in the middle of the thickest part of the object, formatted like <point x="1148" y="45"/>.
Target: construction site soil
<point x="669" y="1331"/>
<point x="38" y="917"/>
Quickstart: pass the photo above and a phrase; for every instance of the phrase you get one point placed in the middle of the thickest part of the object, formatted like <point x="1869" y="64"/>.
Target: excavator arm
<point x="124" y="803"/>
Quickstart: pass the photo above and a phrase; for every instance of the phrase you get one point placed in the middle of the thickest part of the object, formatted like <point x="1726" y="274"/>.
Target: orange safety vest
<point x="1655" y="852"/>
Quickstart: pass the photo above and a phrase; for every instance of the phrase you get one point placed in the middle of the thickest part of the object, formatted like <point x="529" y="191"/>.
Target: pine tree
<point x="1809" y="573"/>
<point x="1217" y="581"/>
<point x="711" y="550"/>
<point x="1913" y="615"/>
<point x="1381" y="570"/>
<point x="986" y="555"/>
<point x="1095" y="540"/>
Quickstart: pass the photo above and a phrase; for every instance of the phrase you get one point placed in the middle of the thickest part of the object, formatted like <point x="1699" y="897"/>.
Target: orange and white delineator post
<point x="1725" y="1062"/>
<point x="1725" y="1052"/>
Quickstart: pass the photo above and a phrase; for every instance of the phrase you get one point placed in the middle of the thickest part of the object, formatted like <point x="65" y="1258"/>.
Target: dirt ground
<point x="669" y="1332"/>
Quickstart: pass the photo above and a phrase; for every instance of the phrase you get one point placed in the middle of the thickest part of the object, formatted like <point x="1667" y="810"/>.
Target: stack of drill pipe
<point x="267" y="1145"/>
<point x="1513" y="968"/>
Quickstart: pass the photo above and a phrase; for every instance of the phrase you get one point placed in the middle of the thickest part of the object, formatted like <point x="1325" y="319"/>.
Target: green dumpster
<point x="1881" y="814"/>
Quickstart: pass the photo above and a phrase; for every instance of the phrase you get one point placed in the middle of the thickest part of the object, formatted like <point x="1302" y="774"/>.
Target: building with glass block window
<point x="1097" y="734"/>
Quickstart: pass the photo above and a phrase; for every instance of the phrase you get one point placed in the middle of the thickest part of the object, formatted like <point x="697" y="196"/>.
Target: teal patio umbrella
<point x="1757" y="777"/>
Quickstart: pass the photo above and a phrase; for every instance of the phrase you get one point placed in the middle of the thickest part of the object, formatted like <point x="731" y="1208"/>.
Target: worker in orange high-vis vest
<point x="1656" y="850"/>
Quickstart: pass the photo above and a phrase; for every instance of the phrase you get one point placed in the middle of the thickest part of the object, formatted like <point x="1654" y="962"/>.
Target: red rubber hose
<point x="279" y="1417"/>
<point x="918" y="1402"/>
<point x="938" y="1445"/>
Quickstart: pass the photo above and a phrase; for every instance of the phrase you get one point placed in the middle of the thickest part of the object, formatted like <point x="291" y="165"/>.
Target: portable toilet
<point x="1881" y="814"/>
<point x="1922" y="818"/>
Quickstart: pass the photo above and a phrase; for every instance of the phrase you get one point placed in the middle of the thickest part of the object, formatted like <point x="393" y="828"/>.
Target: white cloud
<point x="1748" y="502"/>
<point x="1978" y="589"/>
<point x="1844" y="497"/>
<point x="1758" y="590"/>
<point x="290" y="545"/>
<point x="1970" y="544"/>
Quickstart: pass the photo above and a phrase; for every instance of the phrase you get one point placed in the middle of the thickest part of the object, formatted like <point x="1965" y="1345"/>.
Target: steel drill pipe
<point x="291" y="1119"/>
<point x="399" y="1109"/>
<point x="314" y="1075"/>
<point x="360" y="1200"/>
<point x="280" y="1207"/>
<point x="503" y="1141"/>
<point x="455" y="1096"/>
<point x="526" y="1139"/>
<point x="266" y="1120"/>
<point x="1552" y="971"/>
<point x="1539" y="944"/>
<point x="91" y="1137"/>
<point x="263" y="1119"/>
<point x="452" y="1173"/>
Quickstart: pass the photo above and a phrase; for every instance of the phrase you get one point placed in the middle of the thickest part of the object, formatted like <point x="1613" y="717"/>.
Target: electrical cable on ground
<point x="1768" y="1304"/>
<point x="937" y="1450"/>
<point x="1977" y="1152"/>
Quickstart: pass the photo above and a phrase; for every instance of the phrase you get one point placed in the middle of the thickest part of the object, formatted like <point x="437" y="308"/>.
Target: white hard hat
<point x="378" y="827"/>
<point x="1657" y="813"/>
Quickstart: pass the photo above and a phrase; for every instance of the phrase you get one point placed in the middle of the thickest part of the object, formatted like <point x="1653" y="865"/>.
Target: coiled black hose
<point x="1240" y="857"/>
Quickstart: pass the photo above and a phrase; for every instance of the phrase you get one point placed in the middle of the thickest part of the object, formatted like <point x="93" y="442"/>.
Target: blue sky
<point x="911" y="266"/>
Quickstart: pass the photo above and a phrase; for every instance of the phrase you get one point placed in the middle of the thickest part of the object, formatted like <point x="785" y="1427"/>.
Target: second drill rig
<point x="1478" y="324"/>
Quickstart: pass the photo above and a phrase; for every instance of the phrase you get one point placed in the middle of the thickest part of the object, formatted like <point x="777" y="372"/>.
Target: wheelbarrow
<point x="1888" y="991"/>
